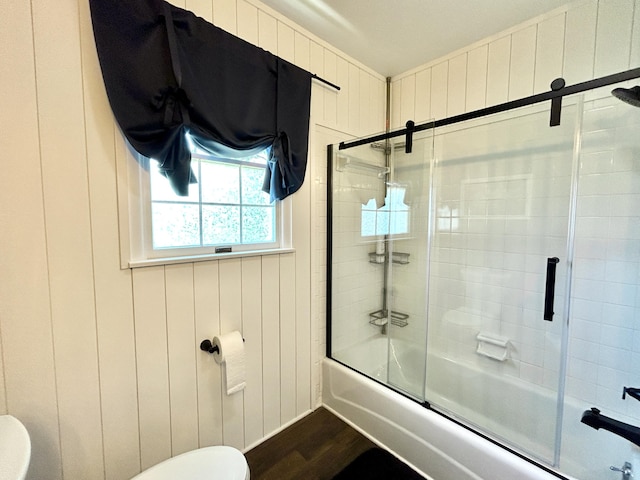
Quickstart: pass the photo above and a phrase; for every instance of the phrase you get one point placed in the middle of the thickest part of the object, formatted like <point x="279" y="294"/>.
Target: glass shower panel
<point x="380" y="206"/>
<point x="604" y="328"/>
<point x="502" y="189"/>
<point x="357" y="279"/>
<point x="410" y="200"/>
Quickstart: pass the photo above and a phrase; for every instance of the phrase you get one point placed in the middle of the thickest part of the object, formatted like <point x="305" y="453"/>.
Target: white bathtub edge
<point x="432" y="444"/>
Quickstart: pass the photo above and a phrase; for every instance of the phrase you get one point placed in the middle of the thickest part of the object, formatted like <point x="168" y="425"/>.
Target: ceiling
<point x="393" y="36"/>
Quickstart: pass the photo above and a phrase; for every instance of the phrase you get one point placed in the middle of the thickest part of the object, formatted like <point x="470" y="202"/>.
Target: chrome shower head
<point x="628" y="95"/>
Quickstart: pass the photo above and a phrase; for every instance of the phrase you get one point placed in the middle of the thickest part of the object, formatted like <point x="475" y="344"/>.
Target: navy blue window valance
<point x="170" y="74"/>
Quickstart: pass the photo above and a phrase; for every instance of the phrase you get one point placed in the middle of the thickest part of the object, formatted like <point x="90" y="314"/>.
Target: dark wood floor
<point x="315" y="448"/>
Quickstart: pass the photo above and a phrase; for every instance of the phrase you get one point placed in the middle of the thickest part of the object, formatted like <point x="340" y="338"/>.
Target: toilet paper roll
<point x="231" y="355"/>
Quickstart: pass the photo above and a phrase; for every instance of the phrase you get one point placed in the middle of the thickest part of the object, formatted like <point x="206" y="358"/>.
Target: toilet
<point x="214" y="463"/>
<point x="15" y="449"/>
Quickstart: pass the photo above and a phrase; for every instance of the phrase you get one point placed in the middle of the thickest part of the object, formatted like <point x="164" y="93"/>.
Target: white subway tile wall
<point x="605" y="318"/>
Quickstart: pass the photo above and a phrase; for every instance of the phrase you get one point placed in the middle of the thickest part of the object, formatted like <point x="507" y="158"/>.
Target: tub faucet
<point x="595" y="420"/>
<point x="626" y="470"/>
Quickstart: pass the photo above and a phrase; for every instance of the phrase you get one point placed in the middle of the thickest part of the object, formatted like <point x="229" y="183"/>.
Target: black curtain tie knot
<point x="167" y="99"/>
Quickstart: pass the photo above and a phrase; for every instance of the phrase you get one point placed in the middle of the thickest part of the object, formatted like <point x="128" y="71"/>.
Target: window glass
<point x="390" y="219"/>
<point x="257" y="225"/>
<point x="221" y="225"/>
<point x="220" y="182"/>
<point x="161" y="188"/>
<point x="175" y="225"/>
<point x="225" y="207"/>
<point x="252" y="179"/>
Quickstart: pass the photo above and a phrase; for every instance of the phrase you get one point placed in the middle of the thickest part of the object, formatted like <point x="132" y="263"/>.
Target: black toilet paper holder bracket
<point x="207" y="346"/>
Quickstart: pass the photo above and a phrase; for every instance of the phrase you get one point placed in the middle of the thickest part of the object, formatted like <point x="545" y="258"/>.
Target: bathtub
<point x="437" y="447"/>
<point x="441" y="449"/>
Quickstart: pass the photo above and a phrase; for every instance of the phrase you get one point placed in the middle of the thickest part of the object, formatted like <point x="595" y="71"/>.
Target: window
<point x="227" y="206"/>
<point x="226" y="212"/>
<point x="390" y="219"/>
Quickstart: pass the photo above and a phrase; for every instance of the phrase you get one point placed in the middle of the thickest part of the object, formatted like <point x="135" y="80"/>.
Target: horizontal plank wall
<point x="579" y="42"/>
<point x="102" y="364"/>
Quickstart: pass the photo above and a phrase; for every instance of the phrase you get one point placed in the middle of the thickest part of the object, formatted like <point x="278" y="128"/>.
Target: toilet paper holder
<point x="207" y="346"/>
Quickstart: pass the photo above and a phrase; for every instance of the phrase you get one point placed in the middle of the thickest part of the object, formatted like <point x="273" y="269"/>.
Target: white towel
<point x="231" y="355"/>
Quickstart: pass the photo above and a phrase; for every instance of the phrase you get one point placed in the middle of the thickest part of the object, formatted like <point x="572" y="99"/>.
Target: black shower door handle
<point x="550" y="287"/>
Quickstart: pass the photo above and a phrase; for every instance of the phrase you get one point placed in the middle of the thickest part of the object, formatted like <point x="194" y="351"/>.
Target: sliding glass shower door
<point x="453" y="274"/>
<point x="499" y="256"/>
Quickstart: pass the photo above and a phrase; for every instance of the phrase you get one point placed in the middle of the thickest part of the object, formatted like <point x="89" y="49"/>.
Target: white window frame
<point x="134" y="206"/>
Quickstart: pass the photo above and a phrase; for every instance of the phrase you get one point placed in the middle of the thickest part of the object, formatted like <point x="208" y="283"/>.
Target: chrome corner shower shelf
<point x="396" y="257"/>
<point x="382" y="317"/>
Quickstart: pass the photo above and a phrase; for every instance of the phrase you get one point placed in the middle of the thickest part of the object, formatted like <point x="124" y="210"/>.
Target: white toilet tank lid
<point x="215" y="463"/>
<point x="15" y="448"/>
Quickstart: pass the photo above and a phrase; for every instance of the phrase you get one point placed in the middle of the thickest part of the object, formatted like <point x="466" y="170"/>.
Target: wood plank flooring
<point x="314" y="448"/>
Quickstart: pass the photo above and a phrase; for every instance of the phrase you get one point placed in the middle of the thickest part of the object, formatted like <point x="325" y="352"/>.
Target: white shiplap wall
<point x="578" y="42"/>
<point x="102" y="364"/>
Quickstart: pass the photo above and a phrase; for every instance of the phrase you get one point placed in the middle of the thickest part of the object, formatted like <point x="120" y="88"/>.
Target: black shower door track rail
<point x="558" y="90"/>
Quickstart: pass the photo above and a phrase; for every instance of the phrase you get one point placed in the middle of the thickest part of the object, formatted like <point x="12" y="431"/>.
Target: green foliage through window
<point x="225" y="207"/>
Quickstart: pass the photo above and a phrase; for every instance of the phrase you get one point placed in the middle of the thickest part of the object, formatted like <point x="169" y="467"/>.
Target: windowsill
<point x="207" y="257"/>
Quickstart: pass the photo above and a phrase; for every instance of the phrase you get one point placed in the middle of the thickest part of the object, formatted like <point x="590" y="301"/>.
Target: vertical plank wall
<point x="102" y="364"/>
<point x="578" y="42"/>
